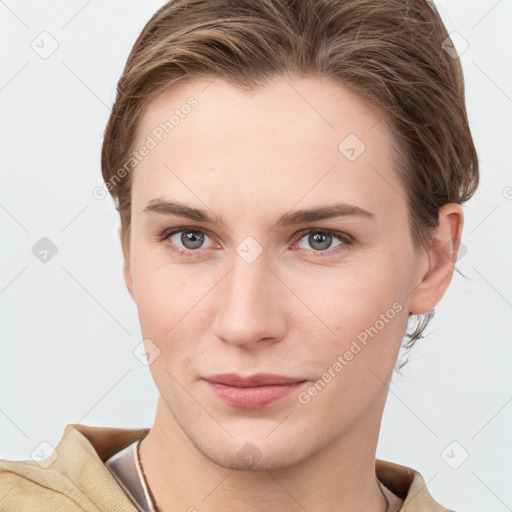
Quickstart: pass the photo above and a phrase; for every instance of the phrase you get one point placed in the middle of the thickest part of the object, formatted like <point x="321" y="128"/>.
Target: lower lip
<point x="253" y="397"/>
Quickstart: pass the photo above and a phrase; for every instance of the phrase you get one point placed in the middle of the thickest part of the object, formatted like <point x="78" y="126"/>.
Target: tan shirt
<point x="78" y="478"/>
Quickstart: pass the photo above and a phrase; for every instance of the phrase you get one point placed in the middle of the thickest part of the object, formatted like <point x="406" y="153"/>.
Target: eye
<point x="186" y="241"/>
<point x="321" y="240"/>
<point x="189" y="241"/>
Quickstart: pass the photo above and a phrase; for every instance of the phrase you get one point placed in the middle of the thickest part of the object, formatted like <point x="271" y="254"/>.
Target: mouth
<point x="252" y="392"/>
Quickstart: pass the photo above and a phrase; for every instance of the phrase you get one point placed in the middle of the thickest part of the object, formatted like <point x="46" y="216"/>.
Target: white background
<point x="68" y="326"/>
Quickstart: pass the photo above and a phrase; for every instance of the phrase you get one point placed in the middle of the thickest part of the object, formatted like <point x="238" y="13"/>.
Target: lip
<point x="252" y="392"/>
<point x="259" y="379"/>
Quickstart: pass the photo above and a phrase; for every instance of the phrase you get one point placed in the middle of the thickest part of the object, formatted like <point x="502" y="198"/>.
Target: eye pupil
<point x="193" y="237"/>
<point x="317" y="238"/>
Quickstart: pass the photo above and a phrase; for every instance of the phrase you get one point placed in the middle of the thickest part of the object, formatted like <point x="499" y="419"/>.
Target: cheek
<point x="162" y="295"/>
<point x="171" y="310"/>
<point x="368" y="320"/>
<point x="336" y="307"/>
<point x="349" y="300"/>
<point x="366" y="317"/>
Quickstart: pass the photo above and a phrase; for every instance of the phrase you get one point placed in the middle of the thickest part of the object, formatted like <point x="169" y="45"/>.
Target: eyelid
<point x="344" y="237"/>
<point x="166" y="233"/>
<point x="340" y="235"/>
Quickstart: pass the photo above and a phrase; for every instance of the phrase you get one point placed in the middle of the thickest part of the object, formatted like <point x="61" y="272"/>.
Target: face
<point x="254" y="287"/>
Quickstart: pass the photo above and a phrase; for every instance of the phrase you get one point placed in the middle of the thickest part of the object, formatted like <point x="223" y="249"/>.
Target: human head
<point x="391" y="53"/>
<point x="245" y="140"/>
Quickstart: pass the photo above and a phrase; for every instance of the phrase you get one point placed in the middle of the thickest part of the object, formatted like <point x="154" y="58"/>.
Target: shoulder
<point x="26" y="486"/>
<point x="409" y="485"/>
<point x="73" y="477"/>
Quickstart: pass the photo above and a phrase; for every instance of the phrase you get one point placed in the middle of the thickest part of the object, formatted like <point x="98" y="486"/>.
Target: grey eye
<point x="190" y="239"/>
<point x="320" y="241"/>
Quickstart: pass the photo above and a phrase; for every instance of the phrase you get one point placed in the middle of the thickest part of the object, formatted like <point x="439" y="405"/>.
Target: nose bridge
<point x="248" y="282"/>
<point x="247" y="304"/>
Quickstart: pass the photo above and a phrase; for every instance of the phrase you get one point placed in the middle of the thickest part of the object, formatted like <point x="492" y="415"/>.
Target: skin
<point x="247" y="158"/>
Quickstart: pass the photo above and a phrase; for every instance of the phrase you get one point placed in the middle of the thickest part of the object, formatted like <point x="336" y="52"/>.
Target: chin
<point x="248" y="456"/>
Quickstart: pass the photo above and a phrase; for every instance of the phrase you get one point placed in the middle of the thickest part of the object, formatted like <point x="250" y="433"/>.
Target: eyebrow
<point x="329" y="211"/>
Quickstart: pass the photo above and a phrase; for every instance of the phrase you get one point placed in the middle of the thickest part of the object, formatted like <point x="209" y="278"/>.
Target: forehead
<point x="293" y="138"/>
<point x="325" y="108"/>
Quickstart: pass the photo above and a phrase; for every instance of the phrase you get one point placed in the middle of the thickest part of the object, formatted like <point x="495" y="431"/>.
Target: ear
<point x="438" y="263"/>
<point x="126" y="270"/>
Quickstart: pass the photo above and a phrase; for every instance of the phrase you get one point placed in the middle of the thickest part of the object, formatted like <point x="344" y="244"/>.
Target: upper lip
<point x="259" y="379"/>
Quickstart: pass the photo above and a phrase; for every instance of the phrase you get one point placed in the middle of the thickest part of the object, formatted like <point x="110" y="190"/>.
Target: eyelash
<point x="342" y="237"/>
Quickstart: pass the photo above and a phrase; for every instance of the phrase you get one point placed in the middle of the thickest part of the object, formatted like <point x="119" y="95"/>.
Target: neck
<point x="340" y="477"/>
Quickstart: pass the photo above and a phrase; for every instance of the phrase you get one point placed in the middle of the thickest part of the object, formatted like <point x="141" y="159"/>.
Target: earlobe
<point x="439" y="259"/>
<point x="128" y="277"/>
<point x="126" y="269"/>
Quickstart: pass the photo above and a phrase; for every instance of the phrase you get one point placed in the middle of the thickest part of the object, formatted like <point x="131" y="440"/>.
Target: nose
<point x="251" y="304"/>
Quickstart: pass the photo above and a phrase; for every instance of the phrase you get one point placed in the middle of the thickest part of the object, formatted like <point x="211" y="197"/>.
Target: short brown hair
<point x="389" y="52"/>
